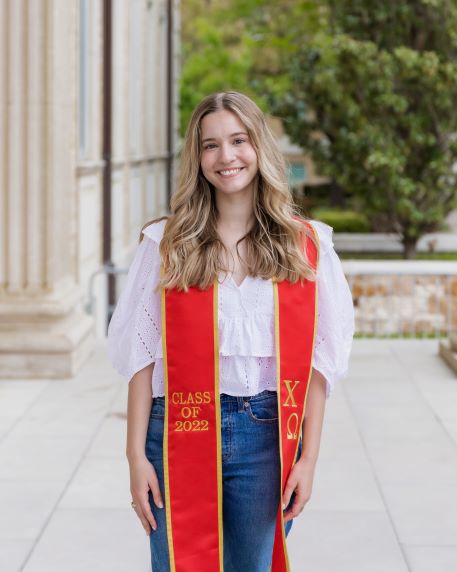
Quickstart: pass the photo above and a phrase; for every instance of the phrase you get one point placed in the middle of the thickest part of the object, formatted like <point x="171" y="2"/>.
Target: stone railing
<point x="403" y="297"/>
<point x="391" y="242"/>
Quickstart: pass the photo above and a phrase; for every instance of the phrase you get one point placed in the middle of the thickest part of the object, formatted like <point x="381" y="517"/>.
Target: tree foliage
<point x="240" y="45"/>
<point x="215" y="55"/>
<point x="373" y="98"/>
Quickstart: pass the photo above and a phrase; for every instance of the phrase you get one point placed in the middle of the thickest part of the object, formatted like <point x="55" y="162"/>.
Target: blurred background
<point x="95" y="96"/>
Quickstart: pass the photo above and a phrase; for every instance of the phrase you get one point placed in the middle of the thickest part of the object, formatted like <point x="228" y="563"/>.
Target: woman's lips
<point x="231" y="175"/>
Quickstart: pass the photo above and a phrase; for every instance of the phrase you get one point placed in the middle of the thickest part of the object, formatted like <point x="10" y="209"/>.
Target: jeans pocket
<point x="263" y="410"/>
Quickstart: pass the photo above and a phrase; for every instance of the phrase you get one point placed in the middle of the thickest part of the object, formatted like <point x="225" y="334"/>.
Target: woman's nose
<point x="227" y="153"/>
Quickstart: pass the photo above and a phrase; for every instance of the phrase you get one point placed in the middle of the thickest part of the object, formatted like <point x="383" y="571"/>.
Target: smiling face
<point x="228" y="159"/>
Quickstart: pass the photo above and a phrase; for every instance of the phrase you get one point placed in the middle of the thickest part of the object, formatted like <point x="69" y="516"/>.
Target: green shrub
<point x="342" y="220"/>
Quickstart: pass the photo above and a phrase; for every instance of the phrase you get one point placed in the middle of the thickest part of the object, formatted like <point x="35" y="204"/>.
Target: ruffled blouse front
<point x="246" y="322"/>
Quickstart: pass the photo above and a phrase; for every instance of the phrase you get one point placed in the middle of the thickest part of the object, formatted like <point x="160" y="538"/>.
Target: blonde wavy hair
<point x="191" y="248"/>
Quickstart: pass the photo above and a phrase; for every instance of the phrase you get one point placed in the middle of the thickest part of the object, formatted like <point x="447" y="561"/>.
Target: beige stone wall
<point x="404" y="305"/>
<point x="139" y="135"/>
<point x="43" y="330"/>
<point x="51" y="183"/>
<point x="139" y="120"/>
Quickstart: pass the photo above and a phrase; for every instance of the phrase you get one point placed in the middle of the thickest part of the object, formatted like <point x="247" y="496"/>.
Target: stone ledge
<point x="400" y="267"/>
<point x="391" y="242"/>
<point x="453" y="341"/>
<point x="449" y="356"/>
<point x="55" y="354"/>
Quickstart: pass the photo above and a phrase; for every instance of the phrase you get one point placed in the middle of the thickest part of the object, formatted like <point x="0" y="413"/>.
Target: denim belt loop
<point x="243" y="403"/>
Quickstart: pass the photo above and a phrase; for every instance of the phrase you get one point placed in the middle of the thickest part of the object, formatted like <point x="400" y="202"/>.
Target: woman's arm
<point x="143" y="476"/>
<point x="314" y="417"/>
<point x="138" y="411"/>
<point x="301" y="476"/>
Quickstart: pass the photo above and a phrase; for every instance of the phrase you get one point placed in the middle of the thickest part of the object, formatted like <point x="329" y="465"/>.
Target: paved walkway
<point x="385" y="489"/>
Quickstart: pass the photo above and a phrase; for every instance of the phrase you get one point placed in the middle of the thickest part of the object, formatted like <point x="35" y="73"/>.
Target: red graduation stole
<point x="192" y="427"/>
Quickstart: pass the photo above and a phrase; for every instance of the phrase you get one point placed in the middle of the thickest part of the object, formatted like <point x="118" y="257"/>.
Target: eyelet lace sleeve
<point x="335" y="325"/>
<point x="134" y="330"/>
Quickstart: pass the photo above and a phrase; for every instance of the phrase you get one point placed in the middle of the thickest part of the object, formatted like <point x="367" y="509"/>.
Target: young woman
<point x="233" y="237"/>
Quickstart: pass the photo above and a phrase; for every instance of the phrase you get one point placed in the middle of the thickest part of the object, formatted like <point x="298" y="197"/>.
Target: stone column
<point x="44" y="331"/>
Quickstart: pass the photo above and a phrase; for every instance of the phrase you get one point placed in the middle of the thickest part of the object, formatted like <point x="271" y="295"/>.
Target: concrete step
<point x="449" y="354"/>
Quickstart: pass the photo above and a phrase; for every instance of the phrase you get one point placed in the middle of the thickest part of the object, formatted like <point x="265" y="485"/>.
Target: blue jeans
<point x="250" y="480"/>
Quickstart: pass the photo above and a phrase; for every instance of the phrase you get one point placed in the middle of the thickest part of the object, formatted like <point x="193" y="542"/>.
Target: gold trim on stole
<point x="278" y="390"/>
<point x="217" y="404"/>
<point x="314" y="338"/>
<point x="165" y="435"/>
<point x="278" y="386"/>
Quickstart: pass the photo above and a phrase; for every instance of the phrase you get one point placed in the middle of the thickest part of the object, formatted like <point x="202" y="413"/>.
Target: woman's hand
<point x="142" y="478"/>
<point x="301" y="481"/>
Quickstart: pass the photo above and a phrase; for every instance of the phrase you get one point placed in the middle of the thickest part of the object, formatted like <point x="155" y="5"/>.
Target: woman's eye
<point x="210" y="145"/>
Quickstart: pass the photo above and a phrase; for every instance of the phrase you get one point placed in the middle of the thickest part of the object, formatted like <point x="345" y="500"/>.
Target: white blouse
<point x="246" y="322"/>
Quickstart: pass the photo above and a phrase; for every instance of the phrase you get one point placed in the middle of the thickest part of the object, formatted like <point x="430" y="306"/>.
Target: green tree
<point x="242" y="45"/>
<point x="215" y="55"/>
<point x="373" y="99"/>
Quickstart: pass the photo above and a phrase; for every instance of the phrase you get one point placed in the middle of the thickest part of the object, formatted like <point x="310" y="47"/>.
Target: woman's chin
<point x="234" y="189"/>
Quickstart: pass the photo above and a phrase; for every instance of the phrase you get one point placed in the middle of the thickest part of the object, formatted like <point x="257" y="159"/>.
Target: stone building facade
<point x="53" y="160"/>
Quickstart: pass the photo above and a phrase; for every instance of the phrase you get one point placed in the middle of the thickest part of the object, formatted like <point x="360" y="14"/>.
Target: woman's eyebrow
<point x="231" y="135"/>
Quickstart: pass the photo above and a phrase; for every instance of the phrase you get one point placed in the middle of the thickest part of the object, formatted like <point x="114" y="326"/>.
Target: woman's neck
<point x="235" y="213"/>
